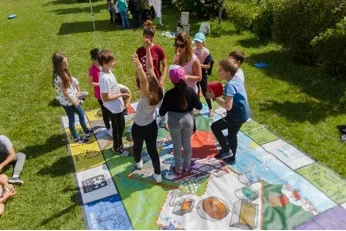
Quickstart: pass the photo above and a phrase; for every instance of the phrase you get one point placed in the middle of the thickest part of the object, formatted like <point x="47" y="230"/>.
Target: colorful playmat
<point x="273" y="185"/>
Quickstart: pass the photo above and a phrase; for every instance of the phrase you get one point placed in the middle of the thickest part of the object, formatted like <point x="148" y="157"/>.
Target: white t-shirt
<point x="71" y="91"/>
<point x="108" y="84"/>
<point x="145" y="114"/>
<point x="239" y="75"/>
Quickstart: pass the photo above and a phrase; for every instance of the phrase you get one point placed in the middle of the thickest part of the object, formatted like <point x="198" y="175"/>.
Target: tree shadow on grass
<point x="75" y="199"/>
<point x="85" y="26"/>
<point x="52" y="143"/>
<point x="75" y="10"/>
<point x="68" y="2"/>
<point x="252" y="42"/>
<point x="327" y="90"/>
<point x="299" y="111"/>
<point x="59" y="168"/>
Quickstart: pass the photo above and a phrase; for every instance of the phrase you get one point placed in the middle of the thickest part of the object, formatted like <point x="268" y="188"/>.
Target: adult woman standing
<point x="186" y="58"/>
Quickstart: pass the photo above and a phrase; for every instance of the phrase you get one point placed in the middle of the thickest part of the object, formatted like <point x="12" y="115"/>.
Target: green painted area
<point x="326" y="180"/>
<point x="285" y="217"/>
<point x="203" y="123"/>
<point x="261" y="135"/>
<point x="136" y="195"/>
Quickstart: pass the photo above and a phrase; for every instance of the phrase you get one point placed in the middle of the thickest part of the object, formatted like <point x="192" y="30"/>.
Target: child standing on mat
<point x="238" y="111"/>
<point x="145" y="127"/>
<point x="179" y="102"/>
<point x="94" y="78"/>
<point x="112" y="99"/>
<point x="63" y="83"/>
<point x="204" y="57"/>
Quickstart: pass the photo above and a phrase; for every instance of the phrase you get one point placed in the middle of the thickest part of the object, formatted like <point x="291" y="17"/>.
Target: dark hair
<point x="237" y="55"/>
<point x="181" y="94"/>
<point x="94" y="53"/>
<point x="105" y="56"/>
<point x="185" y="38"/>
<point x="149" y="28"/>
<point x="229" y="66"/>
<point x="64" y="74"/>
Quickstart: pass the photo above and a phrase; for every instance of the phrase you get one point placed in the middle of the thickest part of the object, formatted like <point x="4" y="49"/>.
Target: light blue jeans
<point x="125" y="24"/>
<point x="70" y="110"/>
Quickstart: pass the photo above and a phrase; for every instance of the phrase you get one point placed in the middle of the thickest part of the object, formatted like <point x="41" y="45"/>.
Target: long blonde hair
<point x="64" y="74"/>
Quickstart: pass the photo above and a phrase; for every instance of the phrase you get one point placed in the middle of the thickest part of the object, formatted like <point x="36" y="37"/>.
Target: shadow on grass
<point x="54" y="103"/>
<point x="75" y="199"/>
<point x="96" y="9"/>
<point x="327" y="92"/>
<point x="52" y="143"/>
<point x="68" y="2"/>
<point x="61" y="167"/>
<point x="252" y="42"/>
<point x="85" y="26"/>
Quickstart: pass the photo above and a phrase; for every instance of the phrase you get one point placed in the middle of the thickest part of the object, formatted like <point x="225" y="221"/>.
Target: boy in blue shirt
<point x="238" y="111"/>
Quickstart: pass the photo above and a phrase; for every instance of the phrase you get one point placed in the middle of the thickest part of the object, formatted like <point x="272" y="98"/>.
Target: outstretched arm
<point x="142" y="77"/>
<point x="149" y="61"/>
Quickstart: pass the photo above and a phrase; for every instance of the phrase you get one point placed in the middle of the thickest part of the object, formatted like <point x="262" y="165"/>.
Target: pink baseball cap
<point x="176" y="73"/>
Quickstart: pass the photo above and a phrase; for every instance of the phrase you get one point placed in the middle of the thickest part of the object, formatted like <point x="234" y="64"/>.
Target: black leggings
<point x="148" y="134"/>
<point x="204" y="87"/>
<point x="118" y="126"/>
<point x="233" y="129"/>
<point x="105" y="115"/>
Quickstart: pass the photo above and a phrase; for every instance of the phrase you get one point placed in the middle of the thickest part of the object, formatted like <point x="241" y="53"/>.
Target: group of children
<point x="188" y="74"/>
<point x="141" y="10"/>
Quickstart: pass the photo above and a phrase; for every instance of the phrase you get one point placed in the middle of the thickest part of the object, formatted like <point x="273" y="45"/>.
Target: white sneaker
<point x="157" y="177"/>
<point x="110" y="132"/>
<point x="140" y="164"/>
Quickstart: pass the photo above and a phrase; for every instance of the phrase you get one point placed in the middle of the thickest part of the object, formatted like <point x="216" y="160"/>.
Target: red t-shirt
<point x="157" y="54"/>
<point x="95" y="73"/>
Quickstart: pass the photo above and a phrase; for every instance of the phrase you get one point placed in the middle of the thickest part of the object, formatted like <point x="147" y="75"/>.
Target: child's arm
<point x="149" y="61"/>
<point x="75" y="102"/>
<point x="91" y="82"/>
<point x="143" y="82"/>
<point x="197" y="71"/>
<point x="227" y="103"/>
<point x="109" y="96"/>
<point x="78" y="89"/>
<point x="205" y="66"/>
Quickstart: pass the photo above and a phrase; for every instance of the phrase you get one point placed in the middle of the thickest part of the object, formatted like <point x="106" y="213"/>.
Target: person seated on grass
<point x="8" y="156"/>
<point x="6" y="191"/>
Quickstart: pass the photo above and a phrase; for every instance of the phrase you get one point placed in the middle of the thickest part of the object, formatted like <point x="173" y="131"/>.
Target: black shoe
<point x="224" y="155"/>
<point x="88" y="134"/>
<point x="230" y="160"/>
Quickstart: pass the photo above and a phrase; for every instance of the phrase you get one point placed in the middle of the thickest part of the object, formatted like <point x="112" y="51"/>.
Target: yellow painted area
<point x="94" y="115"/>
<point x="86" y="156"/>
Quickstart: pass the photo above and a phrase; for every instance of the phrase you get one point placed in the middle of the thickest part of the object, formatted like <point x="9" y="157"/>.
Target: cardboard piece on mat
<point x="95" y="183"/>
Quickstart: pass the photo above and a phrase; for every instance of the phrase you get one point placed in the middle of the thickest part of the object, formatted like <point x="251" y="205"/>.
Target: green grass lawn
<point x="298" y="103"/>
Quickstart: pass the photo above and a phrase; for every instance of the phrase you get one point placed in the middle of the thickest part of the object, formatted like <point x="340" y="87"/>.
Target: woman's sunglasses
<point x="182" y="46"/>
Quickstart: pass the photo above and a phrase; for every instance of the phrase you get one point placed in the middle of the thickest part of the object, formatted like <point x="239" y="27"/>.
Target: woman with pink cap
<point x="179" y="102"/>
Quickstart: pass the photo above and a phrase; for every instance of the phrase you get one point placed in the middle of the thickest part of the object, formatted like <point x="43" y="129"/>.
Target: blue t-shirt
<point x="240" y="109"/>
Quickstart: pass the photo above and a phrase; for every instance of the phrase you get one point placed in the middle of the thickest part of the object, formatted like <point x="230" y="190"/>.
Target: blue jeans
<point x="125" y="24"/>
<point x="70" y="110"/>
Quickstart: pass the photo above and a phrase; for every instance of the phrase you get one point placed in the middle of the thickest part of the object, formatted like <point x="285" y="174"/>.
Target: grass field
<point x="298" y="103"/>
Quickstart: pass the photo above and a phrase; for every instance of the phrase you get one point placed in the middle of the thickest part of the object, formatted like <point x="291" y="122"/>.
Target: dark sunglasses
<point x="182" y="46"/>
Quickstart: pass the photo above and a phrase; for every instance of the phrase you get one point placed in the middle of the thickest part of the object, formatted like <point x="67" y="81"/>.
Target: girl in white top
<point x="188" y="60"/>
<point x="145" y="126"/>
<point x="67" y="96"/>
